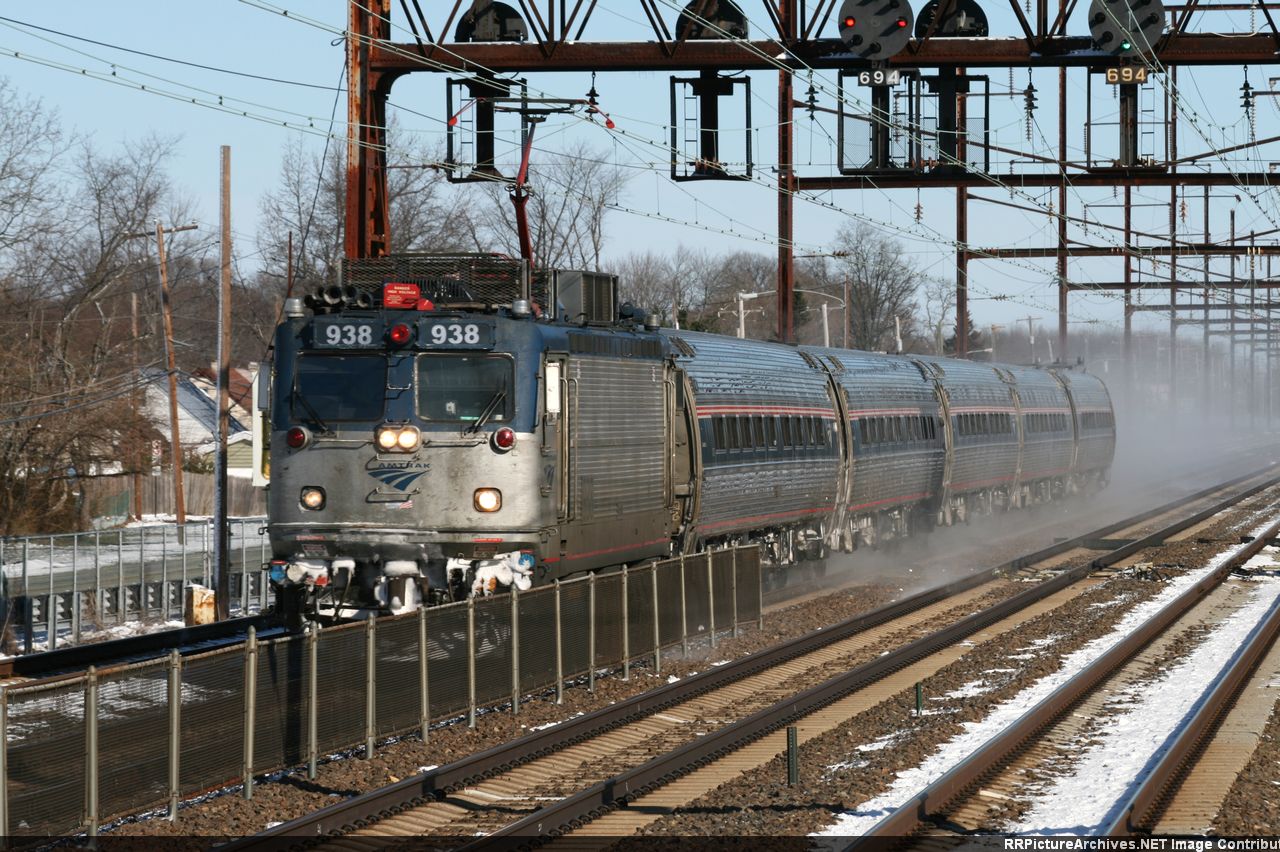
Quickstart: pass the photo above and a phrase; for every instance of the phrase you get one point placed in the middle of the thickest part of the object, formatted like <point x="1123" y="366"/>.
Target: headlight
<point x="487" y="500"/>
<point x="312" y="498"/>
<point x="401" y="439"/>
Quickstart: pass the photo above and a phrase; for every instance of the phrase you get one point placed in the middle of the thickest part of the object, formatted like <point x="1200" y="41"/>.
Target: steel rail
<point x="130" y="649"/>
<point x="1148" y="802"/>
<point x="935" y="798"/>
<point x="616" y="791"/>
<point x="439" y="782"/>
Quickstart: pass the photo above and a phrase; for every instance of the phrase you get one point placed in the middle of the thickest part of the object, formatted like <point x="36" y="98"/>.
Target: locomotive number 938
<point x="439" y="430"/>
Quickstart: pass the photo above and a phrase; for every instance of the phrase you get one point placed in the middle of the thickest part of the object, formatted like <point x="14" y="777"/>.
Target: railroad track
<point x="671" y="731"/>
<point x="75" y="659"/>
<point x="962" y="799"/>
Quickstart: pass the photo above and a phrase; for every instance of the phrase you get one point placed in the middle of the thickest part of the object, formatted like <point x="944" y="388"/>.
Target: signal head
<point x="875" y="29"/>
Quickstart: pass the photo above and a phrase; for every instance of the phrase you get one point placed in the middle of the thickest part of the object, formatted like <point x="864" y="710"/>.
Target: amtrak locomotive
<point x="451" y="426"/>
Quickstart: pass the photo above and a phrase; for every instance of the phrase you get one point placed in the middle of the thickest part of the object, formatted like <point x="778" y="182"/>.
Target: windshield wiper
<point x="488" y="411"/>
<point x="315" y="418"/>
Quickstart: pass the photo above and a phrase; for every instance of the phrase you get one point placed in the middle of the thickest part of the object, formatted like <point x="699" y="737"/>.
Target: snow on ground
<point x="1131" y="743"/>
<point x="951" y="753"/>
<point x="106" y="551"/>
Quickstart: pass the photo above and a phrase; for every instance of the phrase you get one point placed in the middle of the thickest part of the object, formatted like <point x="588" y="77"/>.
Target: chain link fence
<point x="78" y="752"/>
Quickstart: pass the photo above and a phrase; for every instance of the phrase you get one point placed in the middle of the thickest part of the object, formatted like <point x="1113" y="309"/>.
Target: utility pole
<point x="994" y="329"/>
<point x="175" y="443"/>
<point x="742" y="312"/>
<point x="1031" y="336"/>
<point x="222" y="595"/>
<point x="845" y="321"/>
<point x="139" y="452"/>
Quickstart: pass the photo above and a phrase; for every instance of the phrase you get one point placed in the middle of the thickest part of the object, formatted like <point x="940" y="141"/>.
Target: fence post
<point x="559" y="651"/>
<point x="370" y="684"/>
<point x="684" y="615"/>
<point x="121" y="598"/>
<point x="250" y="707"/>
<point x="164" y="573"/>
<point x="4" y="763"/>
<point x="424" y="697"/>
<point x="262" y="569"/>
<point x="27" y="617"/>
<point x="91" y="751"/>
<point x="313" y="716"/>
<point x="591" y="632"/>
<point x="471" y="662"/>
<point x="244" y="565"/>
<point x="143" y="612"/>
<point x="711" y="598"/>
<point x="759" y="592"/>
<point x="657" y="631"/>
<point x="175" y="732"/>
<point x="51" y="614"/>
<point x="733" y="587"/>
<point x="75" y="589"/>
<point x="515" y="649"/>
<point x="99" y="597"/>
<point x="626" y="628"/>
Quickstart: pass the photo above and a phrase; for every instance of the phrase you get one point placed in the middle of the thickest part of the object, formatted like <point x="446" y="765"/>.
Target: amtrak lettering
<point x="399" y="475"/>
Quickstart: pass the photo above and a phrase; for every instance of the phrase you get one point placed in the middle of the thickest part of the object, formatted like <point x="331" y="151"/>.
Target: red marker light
<point x="296" y="438"/>
<point x="902" y="22"/>
<point x="849" y="21"/>
<point x="399" y="334"/>
<point x="504" y="438"/>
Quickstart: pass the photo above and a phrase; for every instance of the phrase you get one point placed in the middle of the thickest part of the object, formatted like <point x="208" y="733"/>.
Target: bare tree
<point x="938" y="305"/>
<point x="65" y="383"/>
<point x="570" y="197"/>
<point x="310" y="202"/>
<point x="882" y="286"/>
<point x="31" y="142"/>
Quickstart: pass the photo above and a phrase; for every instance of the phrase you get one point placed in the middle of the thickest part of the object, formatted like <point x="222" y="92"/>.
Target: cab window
<point x="340" y="387"/>
<point x="460" y="388"/>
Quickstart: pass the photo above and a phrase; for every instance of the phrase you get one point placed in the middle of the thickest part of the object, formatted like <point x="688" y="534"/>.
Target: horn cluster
<point x="333" y="297"/>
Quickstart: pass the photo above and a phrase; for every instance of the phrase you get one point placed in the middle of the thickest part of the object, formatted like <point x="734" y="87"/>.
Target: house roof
<point x="194" y="406"/>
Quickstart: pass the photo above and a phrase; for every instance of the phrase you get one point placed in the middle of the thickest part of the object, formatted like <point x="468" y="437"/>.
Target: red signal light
<point x="902" y="22"/>
<point x="848" y="21"/>
<point x="504" y="438"/>
<point x="399" y="334"/>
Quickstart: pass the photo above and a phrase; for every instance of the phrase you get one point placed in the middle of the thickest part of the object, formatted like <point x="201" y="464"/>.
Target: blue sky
<point x="252" y="37"/>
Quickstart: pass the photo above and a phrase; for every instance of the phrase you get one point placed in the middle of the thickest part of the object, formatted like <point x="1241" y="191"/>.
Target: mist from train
<point x="1174" y="437"/>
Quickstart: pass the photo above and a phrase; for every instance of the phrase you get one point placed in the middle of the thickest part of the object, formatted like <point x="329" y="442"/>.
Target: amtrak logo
<point x="399" y="476"/>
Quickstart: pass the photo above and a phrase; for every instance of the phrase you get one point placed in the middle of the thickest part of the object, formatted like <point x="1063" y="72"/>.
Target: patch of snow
<point x="949" y="754"/>
<point x="878" y="744"/>
<point x="421" y="769"/>
<point x="1130" y="743"/>
<point x="968" y="690"/>
<point x="553" y="724"/>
